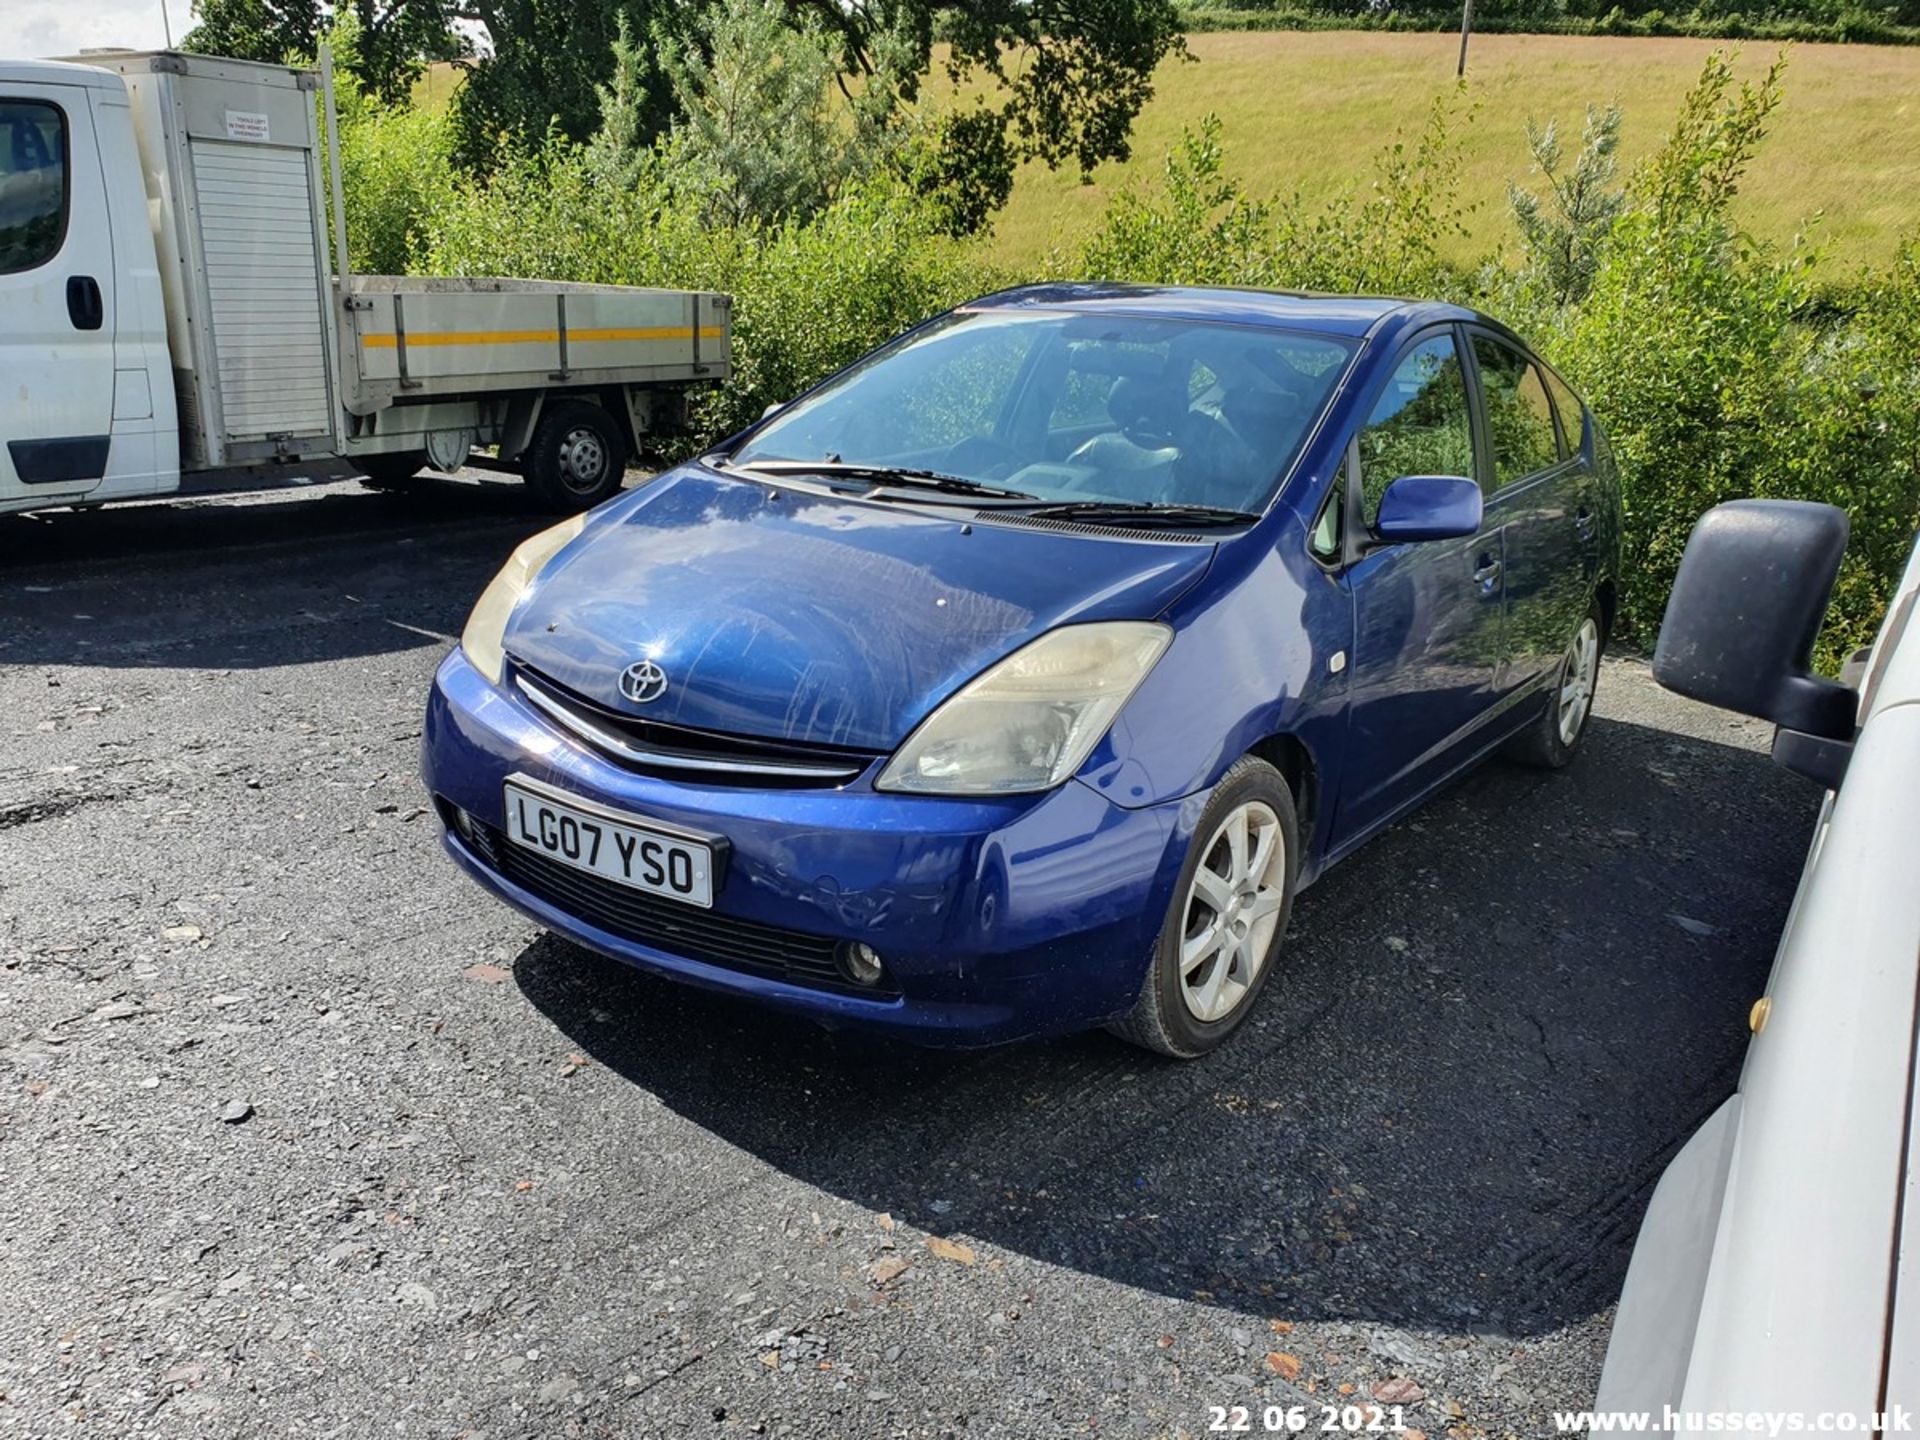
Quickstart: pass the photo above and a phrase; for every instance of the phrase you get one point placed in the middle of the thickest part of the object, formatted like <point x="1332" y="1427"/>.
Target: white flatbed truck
<point x="170" y="321"/>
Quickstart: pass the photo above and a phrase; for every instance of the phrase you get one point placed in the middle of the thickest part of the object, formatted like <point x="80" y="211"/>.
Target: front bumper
<point x="999" y="918"/>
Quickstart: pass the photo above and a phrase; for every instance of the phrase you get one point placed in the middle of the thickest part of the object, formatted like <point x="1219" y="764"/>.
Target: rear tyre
<point x="1224" y="928"/>
<point x="391" y="472"/>
<point x="1554" y="739"/>
<point x="576" y="458"/>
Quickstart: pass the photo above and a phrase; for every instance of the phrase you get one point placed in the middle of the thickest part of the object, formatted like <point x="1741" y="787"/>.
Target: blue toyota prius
<point x="1015" y="679"/>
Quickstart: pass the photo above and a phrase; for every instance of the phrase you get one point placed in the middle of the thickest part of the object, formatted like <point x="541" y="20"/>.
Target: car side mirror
<point x="1746" y="607"/>
<point x="1428" y="507"/>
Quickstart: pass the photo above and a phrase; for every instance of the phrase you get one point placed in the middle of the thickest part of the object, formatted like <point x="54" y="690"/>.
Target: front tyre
<point x="1228" y="917"/>
<point x="575" y="459"/>
<point x="1553" y="740"/>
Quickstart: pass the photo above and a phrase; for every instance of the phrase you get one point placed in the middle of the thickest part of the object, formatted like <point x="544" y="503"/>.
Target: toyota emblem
<point x="643" y="682"/>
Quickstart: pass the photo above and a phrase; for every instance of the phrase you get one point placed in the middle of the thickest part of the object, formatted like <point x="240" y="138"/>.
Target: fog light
<point x="860" y="963"/>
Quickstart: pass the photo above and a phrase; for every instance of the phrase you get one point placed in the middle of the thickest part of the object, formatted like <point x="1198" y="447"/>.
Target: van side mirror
<point x="1428" y="507"/>
<point x="1746" y="607"/>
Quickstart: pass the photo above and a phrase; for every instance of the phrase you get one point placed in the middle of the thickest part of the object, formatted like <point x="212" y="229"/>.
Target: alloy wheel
<point x="1578" y="675"/>
<point x="1232" y="910"/>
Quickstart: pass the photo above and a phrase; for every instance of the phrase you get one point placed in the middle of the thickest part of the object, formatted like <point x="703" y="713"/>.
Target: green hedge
<point x="1718" y="367"/>
<point x="1851" y="27"/>
<point x="809" y="297"/>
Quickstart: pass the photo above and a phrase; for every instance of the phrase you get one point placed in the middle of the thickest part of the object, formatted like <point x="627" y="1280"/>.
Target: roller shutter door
<point x="256" y="224"/>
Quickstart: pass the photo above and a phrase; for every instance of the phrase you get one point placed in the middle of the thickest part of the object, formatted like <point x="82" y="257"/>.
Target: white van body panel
<point x="1808" y="1300"/>
<point x="56" y="379"/>
<point x="145" y="459"/>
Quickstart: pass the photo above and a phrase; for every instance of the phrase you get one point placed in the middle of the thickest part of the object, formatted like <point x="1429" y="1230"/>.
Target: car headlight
<point x="1029" y="722"/>
<point x="487" y="627"/>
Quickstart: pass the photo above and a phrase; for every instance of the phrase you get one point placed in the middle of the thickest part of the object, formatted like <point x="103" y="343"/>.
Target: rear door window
<point x="1420" y="425"/>
<point x="1519" y="414"/>
<point x="33" y="183"/>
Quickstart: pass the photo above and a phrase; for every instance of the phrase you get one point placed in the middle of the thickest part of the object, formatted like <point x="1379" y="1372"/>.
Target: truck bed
<point x="408" y="338"/>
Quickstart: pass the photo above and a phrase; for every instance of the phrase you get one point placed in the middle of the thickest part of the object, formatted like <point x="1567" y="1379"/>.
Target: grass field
<point x="1308" y="111"/>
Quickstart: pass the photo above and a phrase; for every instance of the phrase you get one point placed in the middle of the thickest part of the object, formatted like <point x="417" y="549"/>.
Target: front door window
<point x="1420" y="425"/>
<point x="33" y="184"/>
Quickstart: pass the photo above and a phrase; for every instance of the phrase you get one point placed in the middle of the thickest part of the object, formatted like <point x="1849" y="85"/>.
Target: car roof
<point x="1349" y="315"/>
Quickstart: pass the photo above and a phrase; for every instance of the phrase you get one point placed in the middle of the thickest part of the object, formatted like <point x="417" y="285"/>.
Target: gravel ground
<point x="303" y="1136"/>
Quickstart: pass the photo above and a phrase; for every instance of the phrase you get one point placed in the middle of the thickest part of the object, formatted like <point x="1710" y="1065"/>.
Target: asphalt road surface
<point x="303" y="1136"/>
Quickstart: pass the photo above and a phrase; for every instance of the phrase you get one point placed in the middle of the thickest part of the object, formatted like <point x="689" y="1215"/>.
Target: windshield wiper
<point x="1141" y="512"/>
<point x="889" y="476"/>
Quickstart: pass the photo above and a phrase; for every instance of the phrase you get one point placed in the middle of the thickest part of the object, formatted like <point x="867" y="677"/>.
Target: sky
<point x="30" y="29"/>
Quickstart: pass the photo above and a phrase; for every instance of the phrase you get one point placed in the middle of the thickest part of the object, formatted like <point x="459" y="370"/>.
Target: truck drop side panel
<point x="411" y="338"/>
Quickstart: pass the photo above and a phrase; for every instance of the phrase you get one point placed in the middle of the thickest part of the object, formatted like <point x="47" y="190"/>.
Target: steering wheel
<point x="1144" y="413"/>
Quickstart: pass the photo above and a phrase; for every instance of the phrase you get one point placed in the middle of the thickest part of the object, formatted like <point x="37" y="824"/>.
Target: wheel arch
<point x="526" y="408"/>
<point x="1288" y="754"/>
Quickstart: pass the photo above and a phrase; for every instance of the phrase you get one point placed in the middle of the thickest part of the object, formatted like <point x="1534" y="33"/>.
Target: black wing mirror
<point x="1746" y="606"/>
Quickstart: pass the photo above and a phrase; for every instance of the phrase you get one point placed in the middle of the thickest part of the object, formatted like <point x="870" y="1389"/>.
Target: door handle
<point x="1583" y="522"/>
<point x="1487" y="570"/>
<point x="85" y="307"/>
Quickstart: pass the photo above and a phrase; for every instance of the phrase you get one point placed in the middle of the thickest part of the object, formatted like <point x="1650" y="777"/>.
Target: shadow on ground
<point x="1493" y="1028"/>
<point x="293" y="577"/>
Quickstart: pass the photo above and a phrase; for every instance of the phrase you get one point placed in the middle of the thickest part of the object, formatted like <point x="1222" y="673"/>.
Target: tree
<point x="546" y="64"/>
<point x="635" y="105"/>
<point x="1068" y="77"/>
<point x="396" y="40"/>
<point x="754" y="137"/>
<point x="390" y="39"/>
<point x="1563" y="233"/>
<point x="266" y="30"/>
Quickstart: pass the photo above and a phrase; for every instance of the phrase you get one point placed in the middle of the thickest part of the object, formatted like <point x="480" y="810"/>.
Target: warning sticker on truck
<point x="247" y="125"/>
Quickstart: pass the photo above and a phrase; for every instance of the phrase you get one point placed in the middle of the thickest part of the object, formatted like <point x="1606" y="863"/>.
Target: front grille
<point x="743" y="945"/>
<point x="701" y="756"/>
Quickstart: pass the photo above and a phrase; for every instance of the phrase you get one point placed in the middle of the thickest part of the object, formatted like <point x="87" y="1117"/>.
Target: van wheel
<point x="1223" y="931"/>
<point x="576" y="458"/>
<point x="392" y="472"/>
<point x="1553" y="740"/>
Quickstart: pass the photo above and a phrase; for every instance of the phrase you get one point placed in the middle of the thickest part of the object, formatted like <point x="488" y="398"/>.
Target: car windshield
<point x="1067" y="407"/>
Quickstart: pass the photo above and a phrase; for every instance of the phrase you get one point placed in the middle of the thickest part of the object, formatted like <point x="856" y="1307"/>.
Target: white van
<point x="170" y="319"/>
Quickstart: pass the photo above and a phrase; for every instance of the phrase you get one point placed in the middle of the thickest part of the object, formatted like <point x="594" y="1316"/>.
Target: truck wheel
<point x="576" y="458"/>
<point x="391" y="472"/>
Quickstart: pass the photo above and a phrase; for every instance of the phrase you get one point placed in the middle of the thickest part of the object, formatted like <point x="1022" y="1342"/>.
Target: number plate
<point x="625" y="850"/>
